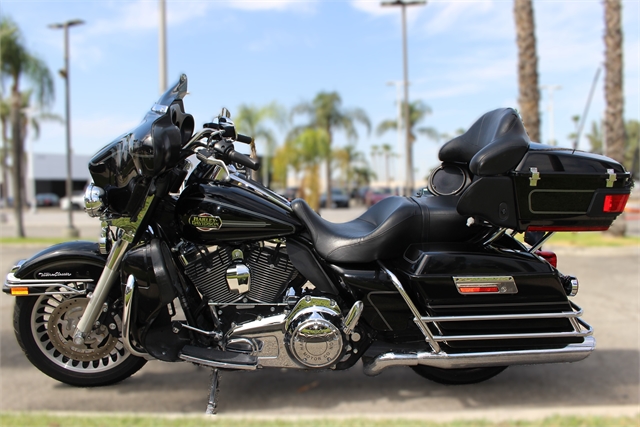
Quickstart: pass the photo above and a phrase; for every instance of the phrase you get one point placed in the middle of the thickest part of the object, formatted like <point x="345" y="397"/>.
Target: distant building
<point x="47" y="173"/>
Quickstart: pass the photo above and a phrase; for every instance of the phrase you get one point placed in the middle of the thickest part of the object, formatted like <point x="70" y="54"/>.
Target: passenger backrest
<point x="493" y="145"/>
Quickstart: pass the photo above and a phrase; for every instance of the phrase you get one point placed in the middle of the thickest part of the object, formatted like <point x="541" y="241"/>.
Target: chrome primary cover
<point x="312" y="336"/>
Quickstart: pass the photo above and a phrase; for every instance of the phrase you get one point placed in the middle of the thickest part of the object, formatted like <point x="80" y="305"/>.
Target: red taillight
<point x="549" y="256"/>
<point x="615" y="202"/>
<point x="477" y="289"/>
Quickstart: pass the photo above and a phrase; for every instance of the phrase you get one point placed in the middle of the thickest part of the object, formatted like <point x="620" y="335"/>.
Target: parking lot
<point x="606" y="382"/>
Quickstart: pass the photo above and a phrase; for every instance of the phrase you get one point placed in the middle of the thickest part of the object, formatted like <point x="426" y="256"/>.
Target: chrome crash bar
<point x="439" y="358"/>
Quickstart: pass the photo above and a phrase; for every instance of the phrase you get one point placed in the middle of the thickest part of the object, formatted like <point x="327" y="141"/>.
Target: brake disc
<point x="62" y="325"/>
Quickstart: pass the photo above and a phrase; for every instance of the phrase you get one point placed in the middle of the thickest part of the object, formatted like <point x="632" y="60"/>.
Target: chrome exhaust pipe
<point x="570" y="353"/>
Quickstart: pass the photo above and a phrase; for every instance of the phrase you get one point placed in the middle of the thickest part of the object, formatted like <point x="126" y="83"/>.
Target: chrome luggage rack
<point x="441" y="359"/>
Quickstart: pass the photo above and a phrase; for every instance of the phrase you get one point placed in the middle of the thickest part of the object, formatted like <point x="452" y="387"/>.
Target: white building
<point x="47" y="173"/>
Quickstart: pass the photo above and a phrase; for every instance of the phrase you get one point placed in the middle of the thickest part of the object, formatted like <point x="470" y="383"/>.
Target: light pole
<point x="162" y="46"/>
<point x="71" y="230"/>
<point x="408" y="148"/>
<point x="398" y="84"/>
<point x="551" y="88"/>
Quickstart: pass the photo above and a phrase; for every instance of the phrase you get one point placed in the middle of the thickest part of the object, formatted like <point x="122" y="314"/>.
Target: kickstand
<point x="212" y="404"/>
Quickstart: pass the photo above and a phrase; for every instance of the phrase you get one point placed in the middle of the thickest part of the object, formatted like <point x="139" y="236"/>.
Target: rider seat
<point x="385" y="230"/>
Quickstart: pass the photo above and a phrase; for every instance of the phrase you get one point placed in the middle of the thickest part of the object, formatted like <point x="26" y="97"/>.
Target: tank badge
<point x="205" y="222"/>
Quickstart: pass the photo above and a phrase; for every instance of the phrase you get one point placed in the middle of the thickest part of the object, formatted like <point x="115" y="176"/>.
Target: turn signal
<point x="19" y="291"/>
<point x="615" y="202"/>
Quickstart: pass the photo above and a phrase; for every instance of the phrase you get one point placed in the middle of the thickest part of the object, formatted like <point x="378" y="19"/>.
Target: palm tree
<point x="251" y="121"/>
<point x="529" y="97"/>
<point x="613" y="125"/>
<point x="387" y="152"/>
<point x="347" y="159"/>
<point x="306" y="152"/>
<point x="17" y="63"/>
<point x="375" y="152"/>
<point x="418" y="111"/>
<point x="325" y="112"/>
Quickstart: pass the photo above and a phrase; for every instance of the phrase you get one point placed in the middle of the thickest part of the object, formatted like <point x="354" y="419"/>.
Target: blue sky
<point x="462" y="60"/>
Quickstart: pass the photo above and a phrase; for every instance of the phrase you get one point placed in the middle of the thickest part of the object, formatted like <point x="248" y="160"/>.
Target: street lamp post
<point x="71" y="230"/>
<point x="408" y="148"/>
<point x="162" y="46"/>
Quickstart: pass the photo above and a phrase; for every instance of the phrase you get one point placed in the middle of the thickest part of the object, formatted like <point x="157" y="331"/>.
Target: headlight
<point x="94" y="200"/>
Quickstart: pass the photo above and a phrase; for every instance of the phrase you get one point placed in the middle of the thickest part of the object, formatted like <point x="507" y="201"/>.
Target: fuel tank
<point x="209" y="213"/>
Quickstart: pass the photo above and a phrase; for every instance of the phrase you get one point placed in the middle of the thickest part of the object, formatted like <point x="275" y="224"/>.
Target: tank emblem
<point x="205" y="222"/>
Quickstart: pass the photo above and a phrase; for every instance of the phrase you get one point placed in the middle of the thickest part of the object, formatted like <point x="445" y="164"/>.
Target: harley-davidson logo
<point x="205" y="222"/>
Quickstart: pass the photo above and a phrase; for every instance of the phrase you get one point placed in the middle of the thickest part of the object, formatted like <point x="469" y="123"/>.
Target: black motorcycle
<point x="215" y="269"/>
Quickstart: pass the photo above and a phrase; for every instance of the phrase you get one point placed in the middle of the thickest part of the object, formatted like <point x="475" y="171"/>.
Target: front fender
<point x="78" y="261"/>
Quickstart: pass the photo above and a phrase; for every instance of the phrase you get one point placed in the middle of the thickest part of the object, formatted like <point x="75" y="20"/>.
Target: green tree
<point x="348" y="159"/>
<point x="252" y="121"/>
<point x="325" y="112"/>
<point x="305" y="152"/>
<point x="18" y="63"/>
<point x="418" y="111"/>
<point x="528" y="87"/>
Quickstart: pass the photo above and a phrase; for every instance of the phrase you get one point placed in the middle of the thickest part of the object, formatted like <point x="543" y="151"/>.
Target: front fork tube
<point x="110" y="272"/>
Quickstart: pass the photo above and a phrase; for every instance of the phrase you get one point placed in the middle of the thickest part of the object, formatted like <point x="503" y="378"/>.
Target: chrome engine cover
<point x="313" y="337"/>
<point x="310" y="336"/>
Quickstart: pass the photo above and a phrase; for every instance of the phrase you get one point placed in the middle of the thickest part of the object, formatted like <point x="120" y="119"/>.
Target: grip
<point x="244" y="139"/>
<point x="246" y="161"/>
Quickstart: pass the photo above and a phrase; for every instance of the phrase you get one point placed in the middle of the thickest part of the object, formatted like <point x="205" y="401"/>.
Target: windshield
<point x="148" y="149"/>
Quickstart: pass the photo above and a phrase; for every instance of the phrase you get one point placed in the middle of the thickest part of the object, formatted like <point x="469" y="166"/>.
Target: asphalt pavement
<point x="607" y="382"/>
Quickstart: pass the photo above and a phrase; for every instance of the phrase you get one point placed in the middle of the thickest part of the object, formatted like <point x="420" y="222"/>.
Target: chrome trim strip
<point x="564" y="314"/>
<point x="13" y="280"/>
<point x="216" y="364"/>
<point x="417" y="317"/>
<point x="126" y="317"/>
<point x="570" y="353"/>
<point x="269" y="195"/>
<point x="441" y="338"/>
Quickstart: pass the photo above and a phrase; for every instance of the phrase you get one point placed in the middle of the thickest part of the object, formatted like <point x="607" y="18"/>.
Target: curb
<point x="494" y="415"/>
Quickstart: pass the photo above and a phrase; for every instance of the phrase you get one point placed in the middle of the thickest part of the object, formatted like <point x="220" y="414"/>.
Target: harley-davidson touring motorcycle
<point x="205" y="265"/>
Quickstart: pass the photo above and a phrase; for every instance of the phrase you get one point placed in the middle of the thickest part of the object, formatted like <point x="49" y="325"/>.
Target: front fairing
<point x="147" y="150"/>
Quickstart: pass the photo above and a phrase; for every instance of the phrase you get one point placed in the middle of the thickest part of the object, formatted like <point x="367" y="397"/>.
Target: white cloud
<point x="279" y="5"/>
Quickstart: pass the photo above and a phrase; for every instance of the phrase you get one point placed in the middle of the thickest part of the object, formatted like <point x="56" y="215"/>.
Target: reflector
<point x="19" y="291"/>
<point x="477" y="289"/>
<point x="549" y="256"/>
<point x="615" y="202"/>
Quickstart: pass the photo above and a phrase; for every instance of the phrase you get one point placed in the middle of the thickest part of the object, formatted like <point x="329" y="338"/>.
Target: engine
<point x="257" y="272"/>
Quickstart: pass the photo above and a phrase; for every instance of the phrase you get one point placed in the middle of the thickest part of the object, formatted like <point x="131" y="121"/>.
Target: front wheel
<point x="44" y="327"/>
<point x="458" y="376"/>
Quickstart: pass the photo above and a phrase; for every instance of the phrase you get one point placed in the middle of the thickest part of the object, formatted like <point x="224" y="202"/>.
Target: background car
<point x="339" y="199"/>
<point x="76" y="203"/>
<point x="374" y="195"/>
<point x="47" y="199"/>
